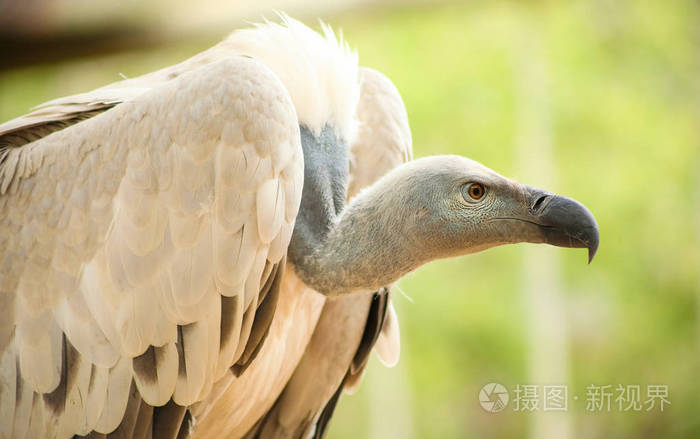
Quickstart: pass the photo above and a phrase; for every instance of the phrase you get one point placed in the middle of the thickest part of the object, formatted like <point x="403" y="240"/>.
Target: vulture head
<point x="457" y="206"/>
<point x="432" y="208"/>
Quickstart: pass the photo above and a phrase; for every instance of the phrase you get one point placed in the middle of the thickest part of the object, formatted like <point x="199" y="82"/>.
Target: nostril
<point x="539" y="202"/>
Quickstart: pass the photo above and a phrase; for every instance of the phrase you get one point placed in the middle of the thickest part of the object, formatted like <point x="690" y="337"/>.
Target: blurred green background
<point x="598" y="100"/>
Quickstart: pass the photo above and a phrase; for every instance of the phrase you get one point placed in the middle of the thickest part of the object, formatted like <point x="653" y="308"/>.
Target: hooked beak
<point x="563" y="222"/>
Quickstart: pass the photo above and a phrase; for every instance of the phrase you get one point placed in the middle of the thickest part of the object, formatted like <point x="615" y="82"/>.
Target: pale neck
<point x="366" y="248"/>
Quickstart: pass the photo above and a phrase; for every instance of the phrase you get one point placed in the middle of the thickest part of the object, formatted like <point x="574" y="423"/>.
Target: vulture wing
<point x="140" y="249"/>
<point x="349" y="326"/>
<point x="59" y="113"/>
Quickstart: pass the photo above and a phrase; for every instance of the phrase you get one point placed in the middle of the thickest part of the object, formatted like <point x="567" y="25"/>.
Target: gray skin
<point x="418" y="212"/>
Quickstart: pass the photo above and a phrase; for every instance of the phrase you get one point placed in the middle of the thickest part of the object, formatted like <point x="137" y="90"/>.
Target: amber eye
<point x="476" y="191"/>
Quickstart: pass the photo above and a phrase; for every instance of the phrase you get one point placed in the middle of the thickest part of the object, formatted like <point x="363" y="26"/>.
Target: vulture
<point x="208" y="250"/>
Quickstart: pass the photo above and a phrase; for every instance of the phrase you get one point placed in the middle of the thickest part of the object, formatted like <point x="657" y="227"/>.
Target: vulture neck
<point x="337" y="249"/>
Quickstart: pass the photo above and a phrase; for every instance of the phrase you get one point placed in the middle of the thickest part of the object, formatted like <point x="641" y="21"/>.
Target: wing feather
<point x="388" y="342"/>
<point x="74" y="416"/>
<point x="192" y="340"/>
<point x="79" y="325"/>
<point x="96" y="397"/>
<point x="39" y="424"/>
<point x="116" y="396"/>
<point x="40" y="351"/>
<point x="230" y="332"/>
<point x="246" y="326"/>
<point x="9" y="392"/>
<point x="23" y="407"/>
<point x="132" y="233"/>
<point x="270" y="209"/>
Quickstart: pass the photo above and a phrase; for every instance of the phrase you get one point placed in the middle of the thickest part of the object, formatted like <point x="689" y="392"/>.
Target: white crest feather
<point x="320" y="72"/>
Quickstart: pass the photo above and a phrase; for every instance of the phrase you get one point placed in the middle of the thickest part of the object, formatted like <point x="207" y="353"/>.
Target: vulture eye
<point x="475" y="191"/>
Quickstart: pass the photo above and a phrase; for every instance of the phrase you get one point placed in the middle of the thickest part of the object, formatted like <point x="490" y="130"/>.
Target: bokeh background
<point x="595" y="99"/>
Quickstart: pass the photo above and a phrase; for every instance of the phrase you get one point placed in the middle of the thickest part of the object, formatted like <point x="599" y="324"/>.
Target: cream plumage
<point x="139" y="245"/>
<point x="164" y="240"/>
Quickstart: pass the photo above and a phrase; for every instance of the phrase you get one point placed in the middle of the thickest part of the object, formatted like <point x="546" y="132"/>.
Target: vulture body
<point x="179" y="258"/>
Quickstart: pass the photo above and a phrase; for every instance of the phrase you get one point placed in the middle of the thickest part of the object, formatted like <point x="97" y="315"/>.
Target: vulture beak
<point x="563" y="222"/>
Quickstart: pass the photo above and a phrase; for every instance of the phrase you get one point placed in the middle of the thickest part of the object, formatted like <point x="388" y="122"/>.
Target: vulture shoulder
<point x="141" y="248"/>
<point x="350" y="326"/>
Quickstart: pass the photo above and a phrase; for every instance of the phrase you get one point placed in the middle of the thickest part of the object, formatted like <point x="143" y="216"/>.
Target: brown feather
<point x="35" y="128"/>
<point x="144" y="366"/>
<point x="375" y="320"/>
<point x="246" y="327"/>
<point x="125" y="430"/>
<point x="263" y="317"/>
<point x="56" y="400"/>
<point x="144" y="423"/>
<point x="327" y="413"/>
<point x="167" y="420"/>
